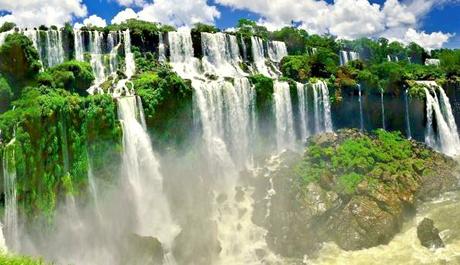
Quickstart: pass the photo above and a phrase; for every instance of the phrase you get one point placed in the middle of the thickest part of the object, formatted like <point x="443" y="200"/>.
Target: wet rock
<point x="428" y="234"/>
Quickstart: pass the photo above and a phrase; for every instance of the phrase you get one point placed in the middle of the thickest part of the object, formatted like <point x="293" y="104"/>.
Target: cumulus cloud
<point x="41" y="12"/>
<point x="131" y="2"/>
<point x="94" y="21"/>
<point x="348" y="19"/>
<point x="179" y="12"/>
<point x="431" y="41"/>
<point x="124" y="15"/>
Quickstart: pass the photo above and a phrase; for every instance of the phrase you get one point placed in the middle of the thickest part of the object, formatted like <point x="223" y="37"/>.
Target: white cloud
<point x="124" y="15"/>
<point x="347" y="19"/>
<point x="94" y="20"/>
<point x="40" y="12"/>
<point x="431" y="41"/>
<point x="179" y="12"/>
<point x="131" y="2"/>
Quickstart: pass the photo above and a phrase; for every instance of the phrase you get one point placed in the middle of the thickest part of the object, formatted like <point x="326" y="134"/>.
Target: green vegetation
<point x="7" y="26"/>
<point x="73" y="76"/>
<point x="354" y="159"/>
<point x="7" y="259"/>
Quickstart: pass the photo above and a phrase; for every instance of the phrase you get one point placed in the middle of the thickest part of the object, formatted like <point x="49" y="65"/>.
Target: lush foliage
<point x="19" y="60"/>
<point x="356" y="159"/>
<point x="7" y="259"/>
<point x="73" y="76"/>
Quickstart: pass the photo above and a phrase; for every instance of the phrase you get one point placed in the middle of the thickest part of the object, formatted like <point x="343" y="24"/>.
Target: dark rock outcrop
<point x="428" y="234"/>
<point x="357" y="214"/>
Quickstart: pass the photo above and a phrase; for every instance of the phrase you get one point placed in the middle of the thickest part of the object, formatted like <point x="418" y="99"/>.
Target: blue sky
<point x="431" y="23"/>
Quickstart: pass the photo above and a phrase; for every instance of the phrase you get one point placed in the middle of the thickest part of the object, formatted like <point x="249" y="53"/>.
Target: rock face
<point x="353" y="189"/>
<point x="428" y="234"/>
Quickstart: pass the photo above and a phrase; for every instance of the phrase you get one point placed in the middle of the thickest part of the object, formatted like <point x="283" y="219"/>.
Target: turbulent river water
<point x="405" y="248"/>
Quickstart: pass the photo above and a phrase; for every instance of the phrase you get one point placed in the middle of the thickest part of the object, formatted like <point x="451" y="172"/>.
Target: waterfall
<point x="322" y="107"/>
<point x="277" y="51"/>
<point x="95" y="50"/>
<point x="245" y="49"/>
<point x="161" y="48"/>
<point x="258" y="56"/>
<point x="225" y="111"/>
<point x="3" y="36"/>
<point x="54" y="48"/>
<point x="302" y="110"/>
<point x="3" y="248"/>
<point x="406" y="103"/>
<point x="78" y="44"/>
<point x="113" y="48"/>
<point x="129" y="56"/>
<point x="439" y="110"/>
<point x="347" y="56"/>
<point x="221" y="55"/>
<point x="285" y="135"/>
<point x="382" y="107"/>
<point x="10" y="193"/>
<point x="143" y="179"/>
<point x="361" y="114"/>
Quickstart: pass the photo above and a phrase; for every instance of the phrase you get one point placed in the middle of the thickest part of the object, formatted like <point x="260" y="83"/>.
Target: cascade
<point x="439" y="110"/>
<point x="3" y="248"/>
<point x="258" y="56"/>
<point x="97" y="60"/>
<point x="361" y="114"/>
<point x="277" y="51"/>
<point x="322" y="107"/>
<point x="347" y="56"/>
<point x="54" y="48"/>
<point x="303" y="110"/>
<point x="3" y="36"/>
<point x="245" y="49"/>
<point x="143" y="180"/>
<point x="285" y="135"/>
<point x="11" y="204"/>
<point x="406" y="103"/>
<point x="113" y="62"/>
<point x="161" y="48"/>
<point x="221" y="54"/>
<point x="383" y="110"/>
<point x="225" y="111"/>
<point x="129" y="56"/>
<point x="78" y="44"/>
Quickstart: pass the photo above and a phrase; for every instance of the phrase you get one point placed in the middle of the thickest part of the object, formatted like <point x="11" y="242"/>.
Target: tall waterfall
<point x="10" y="190"/>
<point x="382" y="107"/>
<point x="161" y="48"/>
<point x="302" y="94"/>
<point x="285" y="134"/>
<point x="225" y="111"/>
<point x="322" y="107"/>
<point x="143" y="179"/>
<point x="258" y="56"/>
<point x="361" y="113"/>
<point x="78" y="44"/>
<point x="129" y="56"/>
<point x="439" y="111"/>
<point x="277" y="50"/>
<point x="406" y="108"/>
<point x="221" y="54"/>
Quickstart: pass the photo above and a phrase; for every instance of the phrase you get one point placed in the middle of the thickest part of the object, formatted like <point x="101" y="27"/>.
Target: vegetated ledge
<point x="351" y="188"/>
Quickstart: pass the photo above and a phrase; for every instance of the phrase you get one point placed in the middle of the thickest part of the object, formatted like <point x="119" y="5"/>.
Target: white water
<point x="302" y="94"/>
<point x="347" y="56"/>
<point x="221" y="54"/>
<point x="285" y="134"/>
<point x="322" y="107"/>
<point x="439" y="110"/>
<point x="78" y="43"/>
<point x="129" y="56"/>
<point x="260" y="61"/>
<point x="361" y="114"/>
<point x="383" y="111"/>
<point x="161" y="48"/>
<point x="11" y="205"/>
<point x="277" y="51"/>
<point x="143" y="180"/>
<point x="224" y="109"/>
<point x="406" y="102"/>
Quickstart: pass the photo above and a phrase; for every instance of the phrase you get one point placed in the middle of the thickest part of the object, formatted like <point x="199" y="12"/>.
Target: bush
<point x="19" y="60"/>
<point x="73" y="76"/>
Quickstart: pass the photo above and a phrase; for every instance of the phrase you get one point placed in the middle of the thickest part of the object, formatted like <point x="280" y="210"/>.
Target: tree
<point x="7" y="26"/>
<point x="19" y="60"/>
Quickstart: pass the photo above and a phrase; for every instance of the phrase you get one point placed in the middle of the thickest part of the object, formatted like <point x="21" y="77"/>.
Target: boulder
<point x="428" y="234"/>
